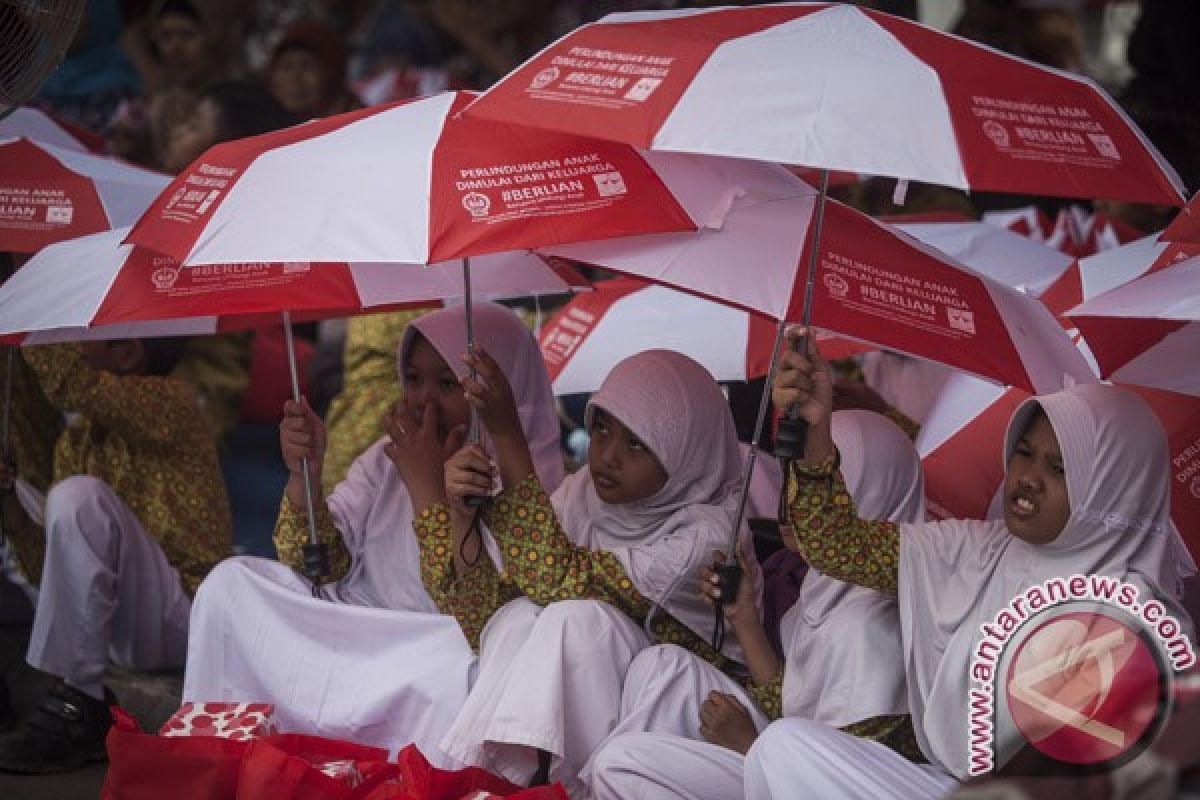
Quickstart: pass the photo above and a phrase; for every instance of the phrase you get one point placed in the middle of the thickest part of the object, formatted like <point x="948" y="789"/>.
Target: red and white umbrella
<point x="873" y="283"/>
<point x="590" y="334"/>
<point x="838" y="87"/>
<point x="596" y="330"/>
<point x="1147" y="331"/>
<point x="95" y="287"/>
<point x="962" y="449"/>
<point x="418" y="183"/>
<point x="1074" y="231"/>
<point x="32" y="123"/>
<point x="49" y="193"/>
<point x="1009" y="258"/>
<point x="1186" y="226"/>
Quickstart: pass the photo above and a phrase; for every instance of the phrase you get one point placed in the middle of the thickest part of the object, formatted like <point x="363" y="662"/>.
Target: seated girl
<point x="370" y="660"/>
<point x="685" y="726"/>
<point x="1085" y="493"/>
<point x="610" y="559"/>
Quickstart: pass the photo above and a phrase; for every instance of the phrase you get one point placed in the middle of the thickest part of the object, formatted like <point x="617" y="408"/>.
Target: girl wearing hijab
<point x="685" y="726"/>
<point x="616" y="549"/>
<point x="370" y="660"/>
<point x="1085" y="492"/>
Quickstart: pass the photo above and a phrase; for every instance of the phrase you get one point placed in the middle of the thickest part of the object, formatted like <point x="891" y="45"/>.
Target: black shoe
<point x="8" y="717"/>
<point x="65" y="732"/>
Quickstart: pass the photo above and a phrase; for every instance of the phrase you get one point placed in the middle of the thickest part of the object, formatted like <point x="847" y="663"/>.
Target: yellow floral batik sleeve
<point x="831" y="536"/>
<point x="471" y="598"/>
<point x="546" y="566"/>
<point x="291" y="534"/>
<point x="768" y="696"/>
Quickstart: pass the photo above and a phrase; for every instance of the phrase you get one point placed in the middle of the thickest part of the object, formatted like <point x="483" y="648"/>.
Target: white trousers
<point x="801" y="758"/>
<point x="656" y="750"/>
<point x="657" y="766"/>
<point x="550" y="679"/>
<point x="107" y="590"/>
<point x="375" y="676"/>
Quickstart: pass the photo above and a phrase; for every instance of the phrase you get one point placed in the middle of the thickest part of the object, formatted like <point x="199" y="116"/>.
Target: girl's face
<point x="1036" y="508"/>
<point x="297" y="79"/>
<point x="427" y="379"/>
<point x="622" y="466"/>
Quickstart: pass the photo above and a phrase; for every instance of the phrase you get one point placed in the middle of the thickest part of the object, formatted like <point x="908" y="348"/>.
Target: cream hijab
<point x="673" y="405"/>
<point x="372" y="508"/>
<point x="842" y="642"/>
<point x="957" y="575"/>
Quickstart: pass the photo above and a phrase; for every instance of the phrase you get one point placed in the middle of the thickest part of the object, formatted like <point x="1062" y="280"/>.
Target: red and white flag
<point x="50" y="193"/>
<point x="839" y="87"/>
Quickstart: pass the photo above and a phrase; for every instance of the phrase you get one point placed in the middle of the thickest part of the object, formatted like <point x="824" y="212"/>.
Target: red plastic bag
<point x="287" y="766"/>
<point x="417" y="779"/>
<point x="144" y="766"/>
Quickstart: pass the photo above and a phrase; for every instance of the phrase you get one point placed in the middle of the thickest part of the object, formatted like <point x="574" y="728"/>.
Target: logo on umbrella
<point x="544" y="78"/>
<point x="1105" y="145"/>
<point x="164" y="278"/>
<point x="642" y="89"/>
<point x="996" y="132"/>
<point x="961" y="319"/>
<point x="836" y="284"/>
<point x="609" y="183"/>
<point x="476" y="204"/>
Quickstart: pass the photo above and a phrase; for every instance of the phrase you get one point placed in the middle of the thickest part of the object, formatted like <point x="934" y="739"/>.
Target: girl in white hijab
<point x="619" y="541"/>
<point x="371" y="660"/>
<point x="842" y="663"/>
<point x="1086" y="493"/>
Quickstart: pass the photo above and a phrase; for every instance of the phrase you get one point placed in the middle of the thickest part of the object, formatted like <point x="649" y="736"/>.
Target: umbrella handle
<point x="316" y="553"/>
<point x="475" y="428"/>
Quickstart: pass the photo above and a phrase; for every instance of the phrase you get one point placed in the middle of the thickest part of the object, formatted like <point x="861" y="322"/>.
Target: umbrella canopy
<point x="873" y="283"/>
<point x="1074" y="231"/>
<point x="1147" y="331"/>
<point x="1186" y="226"/>
<point x="95" y="287"/>
<point x="35" y="124"/>
<point x="595" y="331"/>
<point x="417" y="183"/>
<point x="834" y="86"/>
<point x="50" y="193"/>
<point x="962" y="450"/>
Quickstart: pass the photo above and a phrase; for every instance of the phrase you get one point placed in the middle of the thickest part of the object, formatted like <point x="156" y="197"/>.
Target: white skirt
<point x="374" y="676"/>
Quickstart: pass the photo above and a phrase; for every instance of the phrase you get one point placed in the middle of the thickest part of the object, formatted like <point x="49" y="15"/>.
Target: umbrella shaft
<point x="308" y="487"/>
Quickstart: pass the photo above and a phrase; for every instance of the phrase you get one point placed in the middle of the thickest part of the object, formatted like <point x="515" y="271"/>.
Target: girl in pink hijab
<point x="1086" y="492"/>
<point x="614" y="553"/>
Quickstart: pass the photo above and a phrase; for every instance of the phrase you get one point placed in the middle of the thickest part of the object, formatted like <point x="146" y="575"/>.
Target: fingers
<point x="455" y="438"/>
<point x="469" y="472"/>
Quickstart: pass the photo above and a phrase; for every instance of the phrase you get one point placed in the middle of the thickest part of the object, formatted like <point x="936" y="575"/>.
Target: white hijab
<point x="676" y="408"/>
<point x="372" y="508"/>
<point x="842" y="642"/>
<point x="957" y="575"/>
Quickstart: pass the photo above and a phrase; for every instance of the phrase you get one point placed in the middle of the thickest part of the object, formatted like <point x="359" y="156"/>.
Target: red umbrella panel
<point x="961" y="446"/>
<point x="48" y="194"/>
<point x="880" y="95"/>
<point x="419" y="183"/>
<point x="596" y="330"/>
<point x="1186" y="226"/>
<point x="95" y="287"/>
<point x="873" y="283"/>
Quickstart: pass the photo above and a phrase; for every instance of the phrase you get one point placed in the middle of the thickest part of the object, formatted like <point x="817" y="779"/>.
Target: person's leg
<point x="802" y="758"/>
<point x="564" y="694"/>
<point x="106" y="587"/>
<point x="650" y="766"/>
<point x="663" y="691"/>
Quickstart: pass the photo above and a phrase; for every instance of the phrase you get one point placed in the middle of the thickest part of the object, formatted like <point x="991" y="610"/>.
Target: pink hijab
<point x="676" y="407"/>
